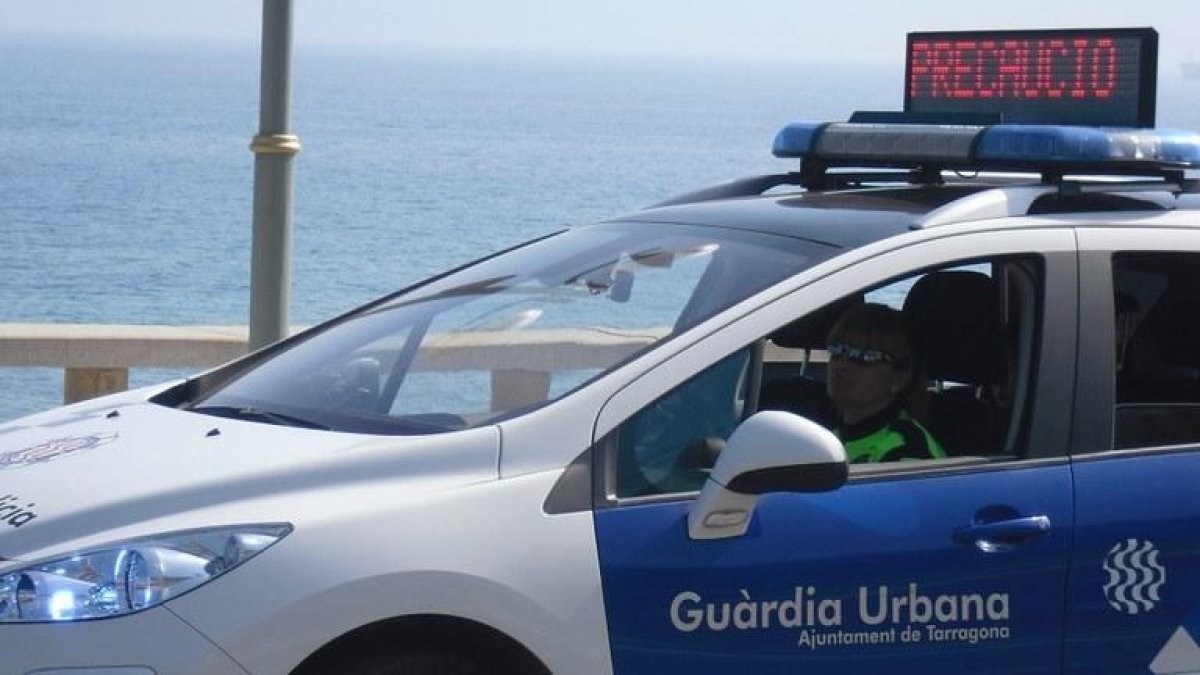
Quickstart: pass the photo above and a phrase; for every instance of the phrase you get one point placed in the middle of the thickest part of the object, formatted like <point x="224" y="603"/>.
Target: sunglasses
<point x="840" y="351"/>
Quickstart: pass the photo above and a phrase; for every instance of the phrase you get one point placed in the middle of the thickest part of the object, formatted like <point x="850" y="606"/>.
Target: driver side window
<point x="958" y="379"/>
<point x="669" y="446"/>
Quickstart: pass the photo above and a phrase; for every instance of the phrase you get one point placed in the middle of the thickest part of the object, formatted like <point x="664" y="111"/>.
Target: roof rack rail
<point x="1071" y="186"/>
<point x="753" y="186"/>
<point x="997" y="203"/>
<point x="750" y="186"/>
<point x="1017" y="200"/>
<point x="756" y="185"/>
<point x="1067" y="186"/>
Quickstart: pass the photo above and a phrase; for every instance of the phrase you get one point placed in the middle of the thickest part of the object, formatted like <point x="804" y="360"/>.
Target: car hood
<point x="72" y="477"/>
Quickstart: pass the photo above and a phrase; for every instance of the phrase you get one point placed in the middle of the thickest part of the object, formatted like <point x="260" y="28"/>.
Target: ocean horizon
<point x="126" y="180"/>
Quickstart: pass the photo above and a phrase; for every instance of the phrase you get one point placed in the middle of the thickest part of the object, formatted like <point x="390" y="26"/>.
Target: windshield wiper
<point x="258" y="414"/>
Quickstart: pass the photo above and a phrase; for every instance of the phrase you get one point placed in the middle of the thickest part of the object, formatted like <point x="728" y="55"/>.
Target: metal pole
<point x="273" y="147"/>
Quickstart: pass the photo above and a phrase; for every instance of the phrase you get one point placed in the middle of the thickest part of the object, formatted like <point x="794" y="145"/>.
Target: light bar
<point x="896" y="142"/>
<point x="1055" y="144"/>
<point x="1036" y="147"/>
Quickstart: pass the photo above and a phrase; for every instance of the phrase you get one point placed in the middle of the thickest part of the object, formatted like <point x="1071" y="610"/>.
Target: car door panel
<point x="1134" y="584"/>
<point x="970" y="555"/>
<point x="869" y="578"/>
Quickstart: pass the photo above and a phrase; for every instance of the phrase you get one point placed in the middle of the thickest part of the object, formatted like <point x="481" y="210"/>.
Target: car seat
<point x="960" y="346"/>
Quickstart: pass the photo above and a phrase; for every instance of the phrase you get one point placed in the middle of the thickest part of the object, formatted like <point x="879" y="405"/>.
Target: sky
<point x="865" y="31"/>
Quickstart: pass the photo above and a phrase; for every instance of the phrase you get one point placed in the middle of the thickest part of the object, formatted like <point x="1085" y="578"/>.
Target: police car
<point x="604" y="451"/>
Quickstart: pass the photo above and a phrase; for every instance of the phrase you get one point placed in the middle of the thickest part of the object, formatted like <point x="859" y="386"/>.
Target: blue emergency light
<point x="998" y="147"/>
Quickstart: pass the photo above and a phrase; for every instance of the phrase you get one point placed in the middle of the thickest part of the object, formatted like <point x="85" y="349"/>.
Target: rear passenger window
<point x="1157" y="321"/>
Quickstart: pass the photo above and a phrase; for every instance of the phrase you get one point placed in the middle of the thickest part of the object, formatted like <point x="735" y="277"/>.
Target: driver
<point x="871" y="384"/>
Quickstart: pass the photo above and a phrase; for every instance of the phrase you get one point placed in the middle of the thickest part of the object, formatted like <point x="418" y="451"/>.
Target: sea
<point x="126" y="179"/>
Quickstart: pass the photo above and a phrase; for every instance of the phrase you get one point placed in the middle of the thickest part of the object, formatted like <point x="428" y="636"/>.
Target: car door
<point x="1134" y="595"/>
<point x="935" y="566"/>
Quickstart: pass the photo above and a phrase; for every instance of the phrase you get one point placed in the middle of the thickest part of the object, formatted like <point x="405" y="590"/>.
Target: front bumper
<point x="153" y="642"/>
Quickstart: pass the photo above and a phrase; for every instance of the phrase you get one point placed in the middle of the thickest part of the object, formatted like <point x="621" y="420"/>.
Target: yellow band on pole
<point x="275" y="144"/>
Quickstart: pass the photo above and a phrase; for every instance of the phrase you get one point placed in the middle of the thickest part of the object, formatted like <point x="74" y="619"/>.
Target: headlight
<point x="129" y="576"/>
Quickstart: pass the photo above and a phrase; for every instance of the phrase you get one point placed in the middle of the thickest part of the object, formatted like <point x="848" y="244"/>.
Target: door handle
<point x="1003" y="535"/>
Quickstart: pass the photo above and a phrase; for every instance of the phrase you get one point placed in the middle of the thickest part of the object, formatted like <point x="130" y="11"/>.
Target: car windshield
<point x="512" y="332"/>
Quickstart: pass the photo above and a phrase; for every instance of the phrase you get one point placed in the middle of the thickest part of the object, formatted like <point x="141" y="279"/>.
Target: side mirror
<point x="773" y="451"/>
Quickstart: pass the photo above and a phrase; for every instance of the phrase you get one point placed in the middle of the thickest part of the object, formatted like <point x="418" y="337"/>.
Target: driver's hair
<point x="875" y="326"/>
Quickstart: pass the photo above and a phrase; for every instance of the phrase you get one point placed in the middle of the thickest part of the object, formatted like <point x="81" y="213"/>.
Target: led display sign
<point x="1088" y="77"/>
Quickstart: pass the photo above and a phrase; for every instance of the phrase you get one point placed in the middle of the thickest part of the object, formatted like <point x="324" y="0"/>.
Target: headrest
<point x="957" y="323"/>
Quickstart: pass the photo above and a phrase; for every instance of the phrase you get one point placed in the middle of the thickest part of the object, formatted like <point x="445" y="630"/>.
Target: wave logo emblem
<point x="1134" y="576"/>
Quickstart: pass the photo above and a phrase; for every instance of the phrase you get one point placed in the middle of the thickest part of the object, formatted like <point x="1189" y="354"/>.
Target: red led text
<point x="1075" y="68"/>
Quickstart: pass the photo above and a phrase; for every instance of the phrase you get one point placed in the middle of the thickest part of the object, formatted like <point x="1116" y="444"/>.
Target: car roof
<point x="855" y="217"/>
<point x="846" y="218"/>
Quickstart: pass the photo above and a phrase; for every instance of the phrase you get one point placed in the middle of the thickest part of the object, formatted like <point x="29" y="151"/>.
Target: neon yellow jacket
<point x="889" y="436"/>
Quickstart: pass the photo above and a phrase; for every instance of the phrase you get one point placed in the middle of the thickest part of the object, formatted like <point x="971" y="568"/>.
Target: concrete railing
<point x="96" y="359"/>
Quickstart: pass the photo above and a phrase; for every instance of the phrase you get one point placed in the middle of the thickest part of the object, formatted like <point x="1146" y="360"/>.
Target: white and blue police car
<point x="604" y="451"/>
